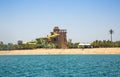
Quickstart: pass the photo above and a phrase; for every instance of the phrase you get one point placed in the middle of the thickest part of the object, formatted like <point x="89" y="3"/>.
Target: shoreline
<point x="62" y="51"/>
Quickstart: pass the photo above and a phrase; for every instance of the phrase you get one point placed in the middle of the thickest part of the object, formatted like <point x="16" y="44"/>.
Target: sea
<point x="60" y="66"/>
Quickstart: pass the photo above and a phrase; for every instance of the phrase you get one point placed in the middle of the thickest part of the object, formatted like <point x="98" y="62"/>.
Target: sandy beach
<point x="62" y="51"/>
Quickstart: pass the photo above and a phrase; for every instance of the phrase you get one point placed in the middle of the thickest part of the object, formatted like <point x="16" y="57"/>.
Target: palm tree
<point x="111" y="32"/>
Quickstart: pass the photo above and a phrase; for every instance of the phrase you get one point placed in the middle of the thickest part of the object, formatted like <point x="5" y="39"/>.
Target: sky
<point x="85" y="20"/>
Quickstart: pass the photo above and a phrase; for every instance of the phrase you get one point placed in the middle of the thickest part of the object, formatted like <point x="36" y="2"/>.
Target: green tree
<point x="111" y="32"/>
<point x="69" y="43"/>
<point x="28" y="46"/>
<point x="10" y="46"/>
<point x="43" y="43"/>
<point x="95" y="44"/>
<point x="76" y="45"/>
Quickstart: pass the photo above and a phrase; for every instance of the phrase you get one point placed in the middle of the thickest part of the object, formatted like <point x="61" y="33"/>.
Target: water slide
<point x="52" y="36"/>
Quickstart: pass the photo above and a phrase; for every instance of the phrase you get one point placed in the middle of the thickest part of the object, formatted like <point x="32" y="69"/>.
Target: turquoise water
<point x="60" y="66"/>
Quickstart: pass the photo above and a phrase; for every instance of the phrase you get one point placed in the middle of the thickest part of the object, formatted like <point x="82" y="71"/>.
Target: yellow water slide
<point x="52" y="36"/>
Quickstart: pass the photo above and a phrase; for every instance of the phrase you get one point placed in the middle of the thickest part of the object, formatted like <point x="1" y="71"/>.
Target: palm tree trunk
<point x="111" y="37"/>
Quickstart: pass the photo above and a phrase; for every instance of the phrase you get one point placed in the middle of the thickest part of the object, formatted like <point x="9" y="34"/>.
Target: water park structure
<point x="58" y="36"/>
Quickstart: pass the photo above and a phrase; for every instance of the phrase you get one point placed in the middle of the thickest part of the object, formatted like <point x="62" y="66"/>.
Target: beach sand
<point x="62" y="51"/>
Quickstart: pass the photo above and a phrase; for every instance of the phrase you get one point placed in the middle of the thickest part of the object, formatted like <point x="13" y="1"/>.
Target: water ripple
<point x="60" y="66"/>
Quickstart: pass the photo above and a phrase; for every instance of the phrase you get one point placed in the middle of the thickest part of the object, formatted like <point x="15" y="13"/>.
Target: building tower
<point x="20" y="42"/>
<point x="61" y="38"/>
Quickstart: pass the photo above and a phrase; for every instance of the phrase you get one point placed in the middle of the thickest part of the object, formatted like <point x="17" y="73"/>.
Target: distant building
<point x="85" y="45"/>
<point x="20" y="42"/>
<point x="1" y="42"/>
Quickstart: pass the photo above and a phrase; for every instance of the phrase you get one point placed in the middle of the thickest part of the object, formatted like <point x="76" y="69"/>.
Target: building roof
<point x="84" y="44"/>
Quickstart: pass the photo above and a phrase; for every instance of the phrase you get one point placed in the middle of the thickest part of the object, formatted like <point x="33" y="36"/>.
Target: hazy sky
<point x="85" y="20"/>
